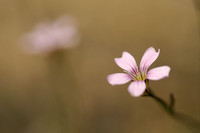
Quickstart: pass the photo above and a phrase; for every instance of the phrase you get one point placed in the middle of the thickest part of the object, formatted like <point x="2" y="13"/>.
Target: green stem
<point x="169" y="109"/>
<point x="56" y="66"/>
<point x="187" y="121"/>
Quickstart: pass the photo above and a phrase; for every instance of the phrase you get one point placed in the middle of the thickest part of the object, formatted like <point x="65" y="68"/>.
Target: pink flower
<point x="49" y="36"/>
<point x="138" y="75"/>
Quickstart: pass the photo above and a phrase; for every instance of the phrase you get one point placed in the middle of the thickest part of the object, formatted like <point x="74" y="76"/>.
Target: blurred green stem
<point x="64" y="89"/>
<point x="56" y="65"/>
<point x="190" y="123"/>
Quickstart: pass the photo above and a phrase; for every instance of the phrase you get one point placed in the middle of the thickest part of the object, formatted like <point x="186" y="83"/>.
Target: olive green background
<point x="68" y="92"/>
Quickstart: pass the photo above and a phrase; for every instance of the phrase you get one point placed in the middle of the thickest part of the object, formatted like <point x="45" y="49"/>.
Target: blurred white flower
<point x="48" y="36"/>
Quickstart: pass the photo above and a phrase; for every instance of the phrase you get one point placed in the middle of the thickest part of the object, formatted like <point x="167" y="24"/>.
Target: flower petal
<point x="118" y="78"/>
<point x="127" y="62"/>
<point x="158" y="73"/>
<point x="137" y="88"/>
<point x="148" y="58"/>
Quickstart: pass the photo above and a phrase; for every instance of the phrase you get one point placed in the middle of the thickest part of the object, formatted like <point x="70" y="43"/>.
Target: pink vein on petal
<point x="148" y="58"/>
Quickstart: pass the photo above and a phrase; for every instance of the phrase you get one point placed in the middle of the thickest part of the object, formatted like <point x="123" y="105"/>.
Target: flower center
<point x="138" y="75"/>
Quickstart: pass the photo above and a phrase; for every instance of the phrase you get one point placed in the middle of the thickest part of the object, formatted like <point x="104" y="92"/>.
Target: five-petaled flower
<point x="138" y="75"/>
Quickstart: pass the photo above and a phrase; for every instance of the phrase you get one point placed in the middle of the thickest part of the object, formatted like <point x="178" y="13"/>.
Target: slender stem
<point x="56" y="65"/>
<point x="168" y="108"/>
<point x="187" y="121"/>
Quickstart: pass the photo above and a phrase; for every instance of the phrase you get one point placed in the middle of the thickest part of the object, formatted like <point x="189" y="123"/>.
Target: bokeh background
<point x="68" y="92"/>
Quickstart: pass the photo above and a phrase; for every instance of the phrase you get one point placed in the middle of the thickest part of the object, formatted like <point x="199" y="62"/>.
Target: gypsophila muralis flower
<point x="138" y="75"/>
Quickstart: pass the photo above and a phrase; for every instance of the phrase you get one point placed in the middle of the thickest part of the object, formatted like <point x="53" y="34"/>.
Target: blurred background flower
<point x="52" y="36"/>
